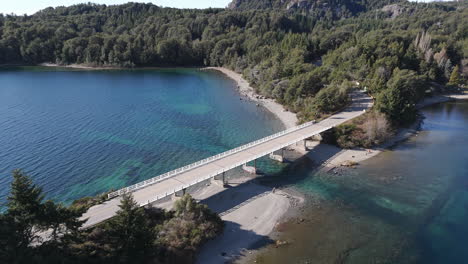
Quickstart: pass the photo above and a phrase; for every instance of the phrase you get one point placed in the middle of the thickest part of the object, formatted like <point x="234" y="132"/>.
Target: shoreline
<point x="319" y="152"/>
<point x="245" y="225"/>
<point x="288" y="119"/>
<point x="357" y="155"/>
<point x="80" y="66"/>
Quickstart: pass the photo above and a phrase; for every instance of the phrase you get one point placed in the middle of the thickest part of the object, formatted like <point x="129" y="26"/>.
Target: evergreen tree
<point x="398" y="102"/>
<point x="28" y="220"/>
<point x="25" y="209"/>
<point x="129" y="232"/>
<point x="9" y="241"/>
<point x="455" y="77"/>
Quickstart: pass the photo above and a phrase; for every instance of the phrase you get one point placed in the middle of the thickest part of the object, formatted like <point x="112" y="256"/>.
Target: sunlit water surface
<point x="407" y="205"/>
<point x="80" y="133"/>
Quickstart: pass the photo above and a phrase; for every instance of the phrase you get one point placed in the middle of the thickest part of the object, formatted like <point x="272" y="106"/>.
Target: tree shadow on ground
<point x="231" y="245"/>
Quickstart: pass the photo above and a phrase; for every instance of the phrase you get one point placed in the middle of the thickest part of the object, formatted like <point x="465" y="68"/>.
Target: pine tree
<point x="455" y="77"/>
<point x="27" y="215"/>
<point x="9" y="251"/>
<point x="24" y="208"/>
<point x="129" y="231"/>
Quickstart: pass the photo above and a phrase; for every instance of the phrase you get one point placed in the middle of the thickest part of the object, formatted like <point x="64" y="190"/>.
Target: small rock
<point x="281" y="243"/>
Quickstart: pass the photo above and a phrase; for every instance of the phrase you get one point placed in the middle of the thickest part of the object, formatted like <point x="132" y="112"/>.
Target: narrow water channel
<point x="407" y="205"/>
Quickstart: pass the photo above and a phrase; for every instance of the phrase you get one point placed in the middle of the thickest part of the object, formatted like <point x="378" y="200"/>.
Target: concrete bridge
<point x="177" y="181"/>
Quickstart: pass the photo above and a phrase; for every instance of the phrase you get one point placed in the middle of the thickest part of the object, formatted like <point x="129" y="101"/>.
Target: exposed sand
<point x="289" y="119"/>
<point x="258" y="211"/>
<point x="250" y="211"/>
<point x="78" y="66"/>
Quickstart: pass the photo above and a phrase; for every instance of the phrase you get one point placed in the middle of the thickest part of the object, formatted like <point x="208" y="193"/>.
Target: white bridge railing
<point x="180" y="170"/>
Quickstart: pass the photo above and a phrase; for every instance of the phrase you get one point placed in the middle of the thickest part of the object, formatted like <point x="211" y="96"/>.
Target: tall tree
<point x="129" y="231"/>
<point x="25" y="209"/>
<point x="455" y="77"/>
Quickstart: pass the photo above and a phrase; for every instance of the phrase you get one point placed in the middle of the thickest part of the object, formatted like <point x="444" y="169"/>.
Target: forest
<point x="305" y="60"/>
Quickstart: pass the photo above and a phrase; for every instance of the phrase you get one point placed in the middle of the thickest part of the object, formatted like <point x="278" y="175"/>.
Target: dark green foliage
<point x="129" y="232"/>
<point x="328" y="9"/>
<point x="455" y="79"/>
<point x="28" y="221"/>
<point x="33" y="231"/>
<point x="192" y="225"/>
<point x="25" y="209"/>
<point x="327" y="101"/>
<point x="398" y="101"/>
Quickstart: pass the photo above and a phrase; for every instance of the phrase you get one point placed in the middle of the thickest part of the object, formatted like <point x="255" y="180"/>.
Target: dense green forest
<point x="304" y="58"/>
<point x="36" y="231"/>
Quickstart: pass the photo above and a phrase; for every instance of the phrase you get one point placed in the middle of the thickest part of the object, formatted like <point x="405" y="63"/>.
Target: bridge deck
<point x="169" y="186"/>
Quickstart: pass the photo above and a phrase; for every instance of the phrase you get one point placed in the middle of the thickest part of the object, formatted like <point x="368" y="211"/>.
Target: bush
<point x="369" y="130"/>
<point x="192" y="225"/>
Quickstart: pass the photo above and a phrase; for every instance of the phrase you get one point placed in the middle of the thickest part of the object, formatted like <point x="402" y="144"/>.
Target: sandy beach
<point x="289" y="119"/>
<point x="79" y="66"/>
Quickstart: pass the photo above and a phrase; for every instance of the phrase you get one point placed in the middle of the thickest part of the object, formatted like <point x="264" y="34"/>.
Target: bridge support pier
<point x="250" y="169"/>
<point x="220" y="180"/>
<point x="305" y="144"/>
<point x="277" y="157"/>
<point x="179" y="194"/>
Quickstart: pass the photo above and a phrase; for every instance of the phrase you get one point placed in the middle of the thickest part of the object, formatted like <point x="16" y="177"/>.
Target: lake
<point x="406" y="205"/>
<point x="81" y="133"/>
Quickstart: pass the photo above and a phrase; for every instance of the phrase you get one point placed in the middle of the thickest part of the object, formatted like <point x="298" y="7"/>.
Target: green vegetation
<point x="455" y="79"/>
<point x="367" y="130"/>
<point x="37" y="231"/>
<point x="306" y="55"/>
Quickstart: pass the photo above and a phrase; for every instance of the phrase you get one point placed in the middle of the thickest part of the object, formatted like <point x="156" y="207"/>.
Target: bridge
<point x="176" y="181"/>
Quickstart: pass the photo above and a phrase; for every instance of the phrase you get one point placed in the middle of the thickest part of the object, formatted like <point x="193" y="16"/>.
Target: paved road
<point x="148" y="194"/>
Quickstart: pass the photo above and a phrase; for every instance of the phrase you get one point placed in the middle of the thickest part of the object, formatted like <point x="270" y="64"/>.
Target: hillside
<point x="336" y="8"/>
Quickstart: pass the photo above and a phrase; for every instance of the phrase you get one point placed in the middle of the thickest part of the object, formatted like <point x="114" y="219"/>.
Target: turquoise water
<point x="407" y="205"/>
<point x="80" y="133"/>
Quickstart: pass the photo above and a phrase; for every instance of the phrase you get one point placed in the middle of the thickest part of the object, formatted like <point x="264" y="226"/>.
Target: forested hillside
<point x="306" y="58"/>
<point x="329" y="8"/>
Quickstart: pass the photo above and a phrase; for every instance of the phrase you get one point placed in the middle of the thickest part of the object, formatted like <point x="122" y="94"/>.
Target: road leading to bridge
<point x="167" y="184"/>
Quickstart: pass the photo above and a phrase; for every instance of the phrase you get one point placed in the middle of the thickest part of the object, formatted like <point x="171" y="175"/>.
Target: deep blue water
<point x="407" y="205"/>
<point x="80" y="133"/>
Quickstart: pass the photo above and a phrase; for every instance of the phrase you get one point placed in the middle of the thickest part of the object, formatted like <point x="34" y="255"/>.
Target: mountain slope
<point x="342" y="8"/>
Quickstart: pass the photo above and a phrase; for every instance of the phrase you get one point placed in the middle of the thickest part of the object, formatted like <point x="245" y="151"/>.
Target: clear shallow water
<point x="407" y="205"/>
<point x="81" y="133"/>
